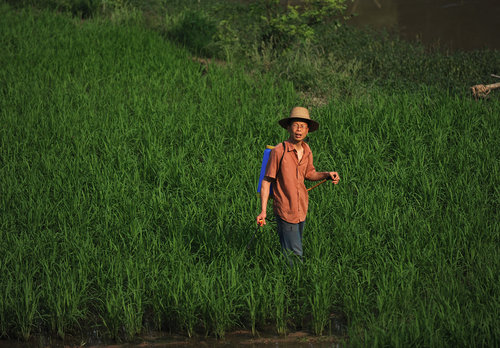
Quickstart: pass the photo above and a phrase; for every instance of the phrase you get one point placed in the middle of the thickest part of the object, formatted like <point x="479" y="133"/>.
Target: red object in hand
<point x="261" y="222"/>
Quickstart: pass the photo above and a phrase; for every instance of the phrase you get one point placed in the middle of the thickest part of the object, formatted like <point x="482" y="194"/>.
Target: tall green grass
<point x="127" y="198"/>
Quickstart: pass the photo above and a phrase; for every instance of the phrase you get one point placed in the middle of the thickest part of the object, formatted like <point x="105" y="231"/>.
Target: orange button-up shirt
<point x="290" y="194"/>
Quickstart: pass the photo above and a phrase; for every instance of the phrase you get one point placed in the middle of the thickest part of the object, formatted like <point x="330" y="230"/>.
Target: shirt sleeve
<point x="272" y="163"/>
<point x="310" y="170"/>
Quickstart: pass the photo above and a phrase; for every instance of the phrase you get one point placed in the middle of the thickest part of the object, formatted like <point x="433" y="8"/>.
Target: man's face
<point x="298" y="130"/>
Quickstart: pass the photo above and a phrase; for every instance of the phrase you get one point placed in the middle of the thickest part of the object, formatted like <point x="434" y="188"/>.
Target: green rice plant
<point x="321" y="296"/>
<point x="65" y="293"/>
<point x="221" y="290"/>
<point x="297" y="307"/>
<point x="111" y="319"/>
<point x="186" y="297"/>
<point x="134" y="309"/>
<point x="251" y="300"/>
<point x="259" y="297"/>
<point x="128" y="179"/>
<point x="121" y="288"/>
<point x="280" y="308"/>
<point x="5" y="304"/>
<point x="157" y="285"/>
<point x="25" y="303"/>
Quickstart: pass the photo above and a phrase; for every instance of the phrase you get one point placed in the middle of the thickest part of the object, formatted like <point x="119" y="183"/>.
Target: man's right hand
<point x="261" y="219"/>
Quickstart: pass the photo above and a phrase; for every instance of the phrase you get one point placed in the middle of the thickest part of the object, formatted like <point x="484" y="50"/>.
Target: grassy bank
<point x="127" y="196"/>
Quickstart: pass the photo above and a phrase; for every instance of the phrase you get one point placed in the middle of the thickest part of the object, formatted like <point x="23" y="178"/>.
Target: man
<point x="289" y="164"/>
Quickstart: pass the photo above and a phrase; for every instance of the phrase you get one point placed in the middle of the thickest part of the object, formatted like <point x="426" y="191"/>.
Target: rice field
<point x="128" y="179"/>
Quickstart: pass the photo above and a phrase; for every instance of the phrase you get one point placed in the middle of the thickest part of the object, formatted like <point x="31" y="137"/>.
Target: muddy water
<point x="452" y="24"/>
<point x="159" y="340"/>
<point x="335" y="337"/>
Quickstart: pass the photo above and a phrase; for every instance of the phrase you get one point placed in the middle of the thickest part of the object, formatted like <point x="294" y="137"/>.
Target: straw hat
<point x="299" y="113"/>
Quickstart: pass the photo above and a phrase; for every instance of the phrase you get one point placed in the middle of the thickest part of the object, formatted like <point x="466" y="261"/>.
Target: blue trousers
<point x="290" y="238"/>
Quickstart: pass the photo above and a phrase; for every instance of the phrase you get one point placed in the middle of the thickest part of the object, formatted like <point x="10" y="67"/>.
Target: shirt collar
<point x="307" y="149"/>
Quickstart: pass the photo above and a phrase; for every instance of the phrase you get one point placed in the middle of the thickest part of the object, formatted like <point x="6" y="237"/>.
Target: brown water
<point x="452" y="24"/>
<point x="159" y="340"/>
<point x="266" y="338"/>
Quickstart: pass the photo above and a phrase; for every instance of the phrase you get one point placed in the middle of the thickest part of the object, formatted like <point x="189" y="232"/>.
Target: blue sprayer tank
<point x="265" y="158"/>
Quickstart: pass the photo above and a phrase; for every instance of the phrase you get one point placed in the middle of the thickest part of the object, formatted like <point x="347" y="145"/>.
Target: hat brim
<point x="313" y="125"/>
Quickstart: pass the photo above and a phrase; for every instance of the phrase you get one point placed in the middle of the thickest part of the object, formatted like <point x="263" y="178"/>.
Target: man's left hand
<point x="335" y="177"/>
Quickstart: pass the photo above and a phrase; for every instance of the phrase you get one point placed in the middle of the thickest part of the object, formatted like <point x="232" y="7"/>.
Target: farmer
<point x="289" y="164"/>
